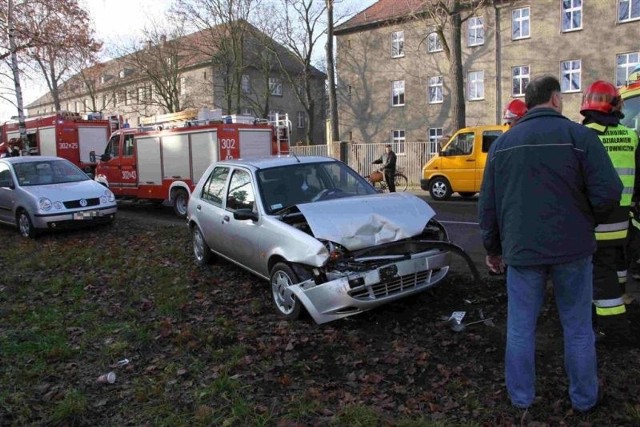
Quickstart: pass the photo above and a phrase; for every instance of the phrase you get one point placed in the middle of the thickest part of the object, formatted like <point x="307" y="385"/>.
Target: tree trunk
<point x="16" y="79"/>
<point x="457" y="77"/>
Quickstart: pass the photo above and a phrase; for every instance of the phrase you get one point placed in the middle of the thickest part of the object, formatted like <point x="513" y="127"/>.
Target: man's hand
<point x="495" y="264"/>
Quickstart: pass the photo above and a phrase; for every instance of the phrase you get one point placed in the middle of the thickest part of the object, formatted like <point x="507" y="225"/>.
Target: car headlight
<point x="57" y="205"/>
<point x="108" y="197"/>
<point x="44" y="204"/>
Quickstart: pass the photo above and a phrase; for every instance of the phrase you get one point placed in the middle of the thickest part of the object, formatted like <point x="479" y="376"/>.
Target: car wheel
<point x="180" y="202"/>
<point x="25" y="225"/>
<point x="282" y="277"/>
<point x="201" y="250"/>
<point x="439" y="189"/>
<point x="467" y="194"/>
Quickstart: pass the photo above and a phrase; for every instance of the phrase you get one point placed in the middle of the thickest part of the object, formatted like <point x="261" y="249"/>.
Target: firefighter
<point x="514" y="111"/>
<point x="601" y="108"/>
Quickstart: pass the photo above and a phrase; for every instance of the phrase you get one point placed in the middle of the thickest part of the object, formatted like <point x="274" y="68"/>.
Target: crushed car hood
<point x="365" y="221"/>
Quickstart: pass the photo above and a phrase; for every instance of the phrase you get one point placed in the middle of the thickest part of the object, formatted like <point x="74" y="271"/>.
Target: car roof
<point x="275" y="161"/>
<point x="29" y="159"/>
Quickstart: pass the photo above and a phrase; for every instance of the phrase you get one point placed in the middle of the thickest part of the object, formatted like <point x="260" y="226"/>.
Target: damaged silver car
<point x="327" y="241"/>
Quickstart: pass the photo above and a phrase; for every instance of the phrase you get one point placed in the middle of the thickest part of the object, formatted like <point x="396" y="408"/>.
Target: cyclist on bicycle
<point x="388" y="161"/>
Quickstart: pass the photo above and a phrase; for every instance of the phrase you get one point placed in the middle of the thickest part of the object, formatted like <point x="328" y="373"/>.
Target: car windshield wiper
<point x="284" y="211"/>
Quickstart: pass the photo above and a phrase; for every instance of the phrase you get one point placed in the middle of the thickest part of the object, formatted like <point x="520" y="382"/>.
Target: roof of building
<point x="381" y="12"/>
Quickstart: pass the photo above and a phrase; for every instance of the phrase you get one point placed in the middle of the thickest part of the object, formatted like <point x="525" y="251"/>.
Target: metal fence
<point x="411" y="156"/>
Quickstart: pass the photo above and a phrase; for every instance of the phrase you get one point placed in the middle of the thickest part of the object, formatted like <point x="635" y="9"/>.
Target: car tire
<point x="201" y="250"/>
<point x="287" y="305"/>
<point x="25" y="225"/>
<point x="440" y="189"/>
<point x="467" y="194"/>
<point x="180" y="202"/>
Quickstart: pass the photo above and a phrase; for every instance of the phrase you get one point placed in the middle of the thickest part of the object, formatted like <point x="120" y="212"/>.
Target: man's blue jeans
<point x="573" y="288"/>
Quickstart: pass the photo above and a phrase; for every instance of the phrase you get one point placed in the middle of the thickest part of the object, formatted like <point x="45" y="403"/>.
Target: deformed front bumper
<point x="362" y="291"/>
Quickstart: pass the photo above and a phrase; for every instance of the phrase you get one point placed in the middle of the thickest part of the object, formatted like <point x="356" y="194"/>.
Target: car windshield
<point x="43" y="172"/>
<point x="286" y="186"/>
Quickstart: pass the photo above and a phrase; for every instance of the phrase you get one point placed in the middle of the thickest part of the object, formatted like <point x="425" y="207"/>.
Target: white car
<point x="46" y="192"/>
<point x="328" y="242"/>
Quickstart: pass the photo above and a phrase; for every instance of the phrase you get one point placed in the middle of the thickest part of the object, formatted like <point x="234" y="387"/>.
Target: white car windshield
<point x="286" y="186"/>
<point x="43" y="172"/>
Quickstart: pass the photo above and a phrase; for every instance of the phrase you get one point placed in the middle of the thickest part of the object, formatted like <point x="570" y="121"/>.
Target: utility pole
<point x="333" y="102"/>
<point x="16" y="79"/>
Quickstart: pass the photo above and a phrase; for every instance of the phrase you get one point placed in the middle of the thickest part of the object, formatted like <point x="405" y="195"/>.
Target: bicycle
<point x="399" y="179"/>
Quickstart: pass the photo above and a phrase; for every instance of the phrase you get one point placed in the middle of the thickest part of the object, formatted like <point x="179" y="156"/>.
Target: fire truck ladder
<point x="282" y="126"/>
<point x="170" y="120"/>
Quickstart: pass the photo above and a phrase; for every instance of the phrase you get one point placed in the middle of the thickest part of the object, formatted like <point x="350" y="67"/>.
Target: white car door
<point x="210" y="212"/>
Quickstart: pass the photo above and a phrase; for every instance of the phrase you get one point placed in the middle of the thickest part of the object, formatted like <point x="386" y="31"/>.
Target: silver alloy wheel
<point x="439" y="189"/>
<point x="280" y="283"/>
<point x="24" y="224"/>
<point x="198" y="245"/>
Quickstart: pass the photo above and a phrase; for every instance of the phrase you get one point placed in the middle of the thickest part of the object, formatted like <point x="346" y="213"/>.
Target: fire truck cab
<point x="163" y="159"/>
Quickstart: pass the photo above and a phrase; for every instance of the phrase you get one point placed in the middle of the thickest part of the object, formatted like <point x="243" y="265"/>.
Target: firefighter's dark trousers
<point x="607" y="292"/>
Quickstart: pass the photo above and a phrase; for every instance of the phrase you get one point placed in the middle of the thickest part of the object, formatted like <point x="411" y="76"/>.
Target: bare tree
<point x="445" y="17"/>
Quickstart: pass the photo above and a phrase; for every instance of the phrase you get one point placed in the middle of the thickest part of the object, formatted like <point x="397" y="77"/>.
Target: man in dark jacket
<point x="547" y="183"/>
<point x="388" y="161"/>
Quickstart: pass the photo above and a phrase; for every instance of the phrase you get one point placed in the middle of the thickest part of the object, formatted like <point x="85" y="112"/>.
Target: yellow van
<point x="459" y="165"/>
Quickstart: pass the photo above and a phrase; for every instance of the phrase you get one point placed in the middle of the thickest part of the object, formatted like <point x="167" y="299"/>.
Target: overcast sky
<point x="118" y="20"/>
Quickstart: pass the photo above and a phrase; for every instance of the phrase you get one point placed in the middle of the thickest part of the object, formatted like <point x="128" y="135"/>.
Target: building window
<point x="122" y="74"/>
<point x="125" y="95"/>
<point x="435" y="90"/>
<point x="571" y="15"/>
<point x="435" y="137"/>
<point x="76" y="107"/>
<point x="397" y="141"/>
<point x="475" y="85"/>
<point x="624" y="64"/>
<point x="275" y="86"/>
<point x="434" y="44"/>
<point x="142" y="94"/>
<point x="246" y="84"/>
<point x="247" y="112"/>
<point x="520" y="24"/>
<point x="397" y="93"/>
<point x="397" y="44"/>
<point x="302" y="118"/>
<point x="276" y="115"/>
<point x="475" y="31"/>
<point x="183" y="86"/>
<point x="571" y="75"/>
<point x="628" y="10"/>
<point x="349" y="90"/>
<point x="519" y="80"/>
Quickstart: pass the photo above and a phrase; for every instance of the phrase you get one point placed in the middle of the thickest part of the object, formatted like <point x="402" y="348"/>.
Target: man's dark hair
<point x="388" y="146"/>
<point x="539" y="90"/>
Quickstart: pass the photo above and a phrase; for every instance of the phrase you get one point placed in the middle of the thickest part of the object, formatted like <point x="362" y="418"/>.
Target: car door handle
<point x="198" y="208"/>
<point x="471" y="160"/>
<point x="225" y="218"/>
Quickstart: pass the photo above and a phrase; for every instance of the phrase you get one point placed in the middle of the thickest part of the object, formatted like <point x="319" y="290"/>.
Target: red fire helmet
<point x="601" y="96"/>
<point x="514" y="110"/>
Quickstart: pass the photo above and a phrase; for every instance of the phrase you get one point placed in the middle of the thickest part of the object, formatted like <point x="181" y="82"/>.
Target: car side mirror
<point x="7" y="184"/>
<point x="92" y="156"/>
<point x="442" y="153"/>
<point x="244" y="214"/>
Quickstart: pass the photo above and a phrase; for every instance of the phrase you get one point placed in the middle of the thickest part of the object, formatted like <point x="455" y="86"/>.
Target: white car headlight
<point x="44" y="204"/>
<point x="108" y="197"/>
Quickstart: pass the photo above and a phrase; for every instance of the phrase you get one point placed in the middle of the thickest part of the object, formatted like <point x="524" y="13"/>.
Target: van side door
<point x="488" y="137"/>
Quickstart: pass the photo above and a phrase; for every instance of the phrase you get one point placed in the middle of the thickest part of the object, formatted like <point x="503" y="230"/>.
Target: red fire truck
<point x="66" y="135"/>
<point x="164" y="158"/>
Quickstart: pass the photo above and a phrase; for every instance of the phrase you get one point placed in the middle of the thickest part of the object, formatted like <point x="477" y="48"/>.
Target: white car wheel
<point x="25" y="225"/>
<point x="201" y="250"/>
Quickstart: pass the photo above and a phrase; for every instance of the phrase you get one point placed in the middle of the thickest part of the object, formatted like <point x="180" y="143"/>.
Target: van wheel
<point x="440" y="189"/>
<point x="180" y="202"/>
<point x="467" y="194"/>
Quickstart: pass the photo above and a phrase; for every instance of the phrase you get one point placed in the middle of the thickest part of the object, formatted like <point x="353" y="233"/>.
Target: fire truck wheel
<point x="180" y="202"/>
<point x="25" y="225"/>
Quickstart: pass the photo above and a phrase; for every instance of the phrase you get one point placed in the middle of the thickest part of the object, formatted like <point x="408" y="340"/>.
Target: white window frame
<point x="398" y="139"/>
<point x="142" y="93"/>
<point x="520" y="77"/>
<point x="628" y="7"/>
<point x="302" y="119"/>
<point x="475" y="31"/>
<point x="245" y="83"/>
<point x="569" y="14"/>
<point x="435" y="135"/>
<point x="434" y="44"/>
<point x="475" y="85"/>
<point x="625" y="63"/>
<point x="521" y="23"/>
<point x="435" y="90"/>
<point x="397" y="44"/>
<point x="571" y="75"/>
<point x="397" y="93"/>
<point x="275" y="86"/>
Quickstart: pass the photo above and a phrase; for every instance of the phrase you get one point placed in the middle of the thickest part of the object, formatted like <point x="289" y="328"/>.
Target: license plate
<point x="84" y="215"/>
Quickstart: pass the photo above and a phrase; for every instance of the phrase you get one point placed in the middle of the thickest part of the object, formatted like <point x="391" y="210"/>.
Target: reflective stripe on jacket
<point x="610" y="307"/>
